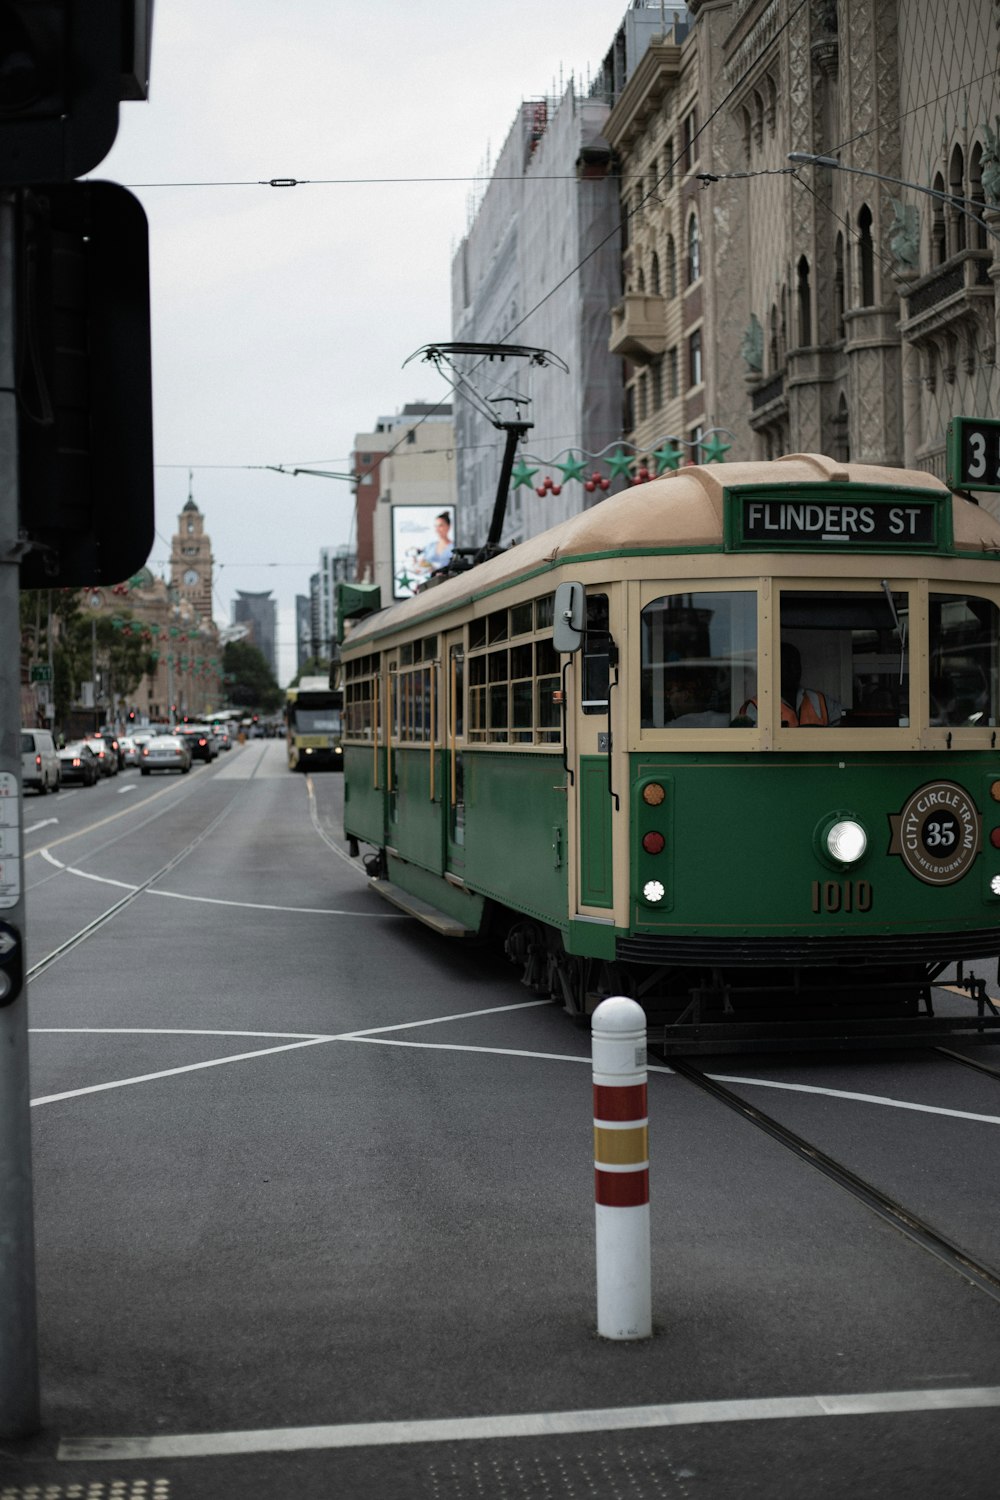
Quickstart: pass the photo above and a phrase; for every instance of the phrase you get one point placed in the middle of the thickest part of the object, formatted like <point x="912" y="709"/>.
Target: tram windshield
<point x="964" y="672"/>
<point x="315" y="720"/>
<point x="845" y="658"/>
<point x="699" y="659"/>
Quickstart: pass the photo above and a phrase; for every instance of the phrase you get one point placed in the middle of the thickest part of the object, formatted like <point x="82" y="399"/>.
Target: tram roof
<point x="678" y="511"/>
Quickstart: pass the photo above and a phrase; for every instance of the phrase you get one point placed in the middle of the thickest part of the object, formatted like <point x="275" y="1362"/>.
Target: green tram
<point x="726" y="742"/>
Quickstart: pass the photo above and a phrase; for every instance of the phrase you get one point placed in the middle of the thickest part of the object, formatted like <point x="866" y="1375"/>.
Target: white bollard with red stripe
<point x="621" y="1170"/>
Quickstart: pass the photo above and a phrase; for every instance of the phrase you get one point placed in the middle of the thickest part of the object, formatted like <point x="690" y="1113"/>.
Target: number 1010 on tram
<point x="725" y="742"/>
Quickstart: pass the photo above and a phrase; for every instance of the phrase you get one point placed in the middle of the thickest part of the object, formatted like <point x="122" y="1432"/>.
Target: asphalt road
<point x="314" y="1206"/>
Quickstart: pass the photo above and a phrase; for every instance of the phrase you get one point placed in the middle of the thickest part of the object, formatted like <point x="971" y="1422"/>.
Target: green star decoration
<point x="713" y="448"/>
<point x="403" y="580"/>
<point x="668" y="457"/>
<point x="620" y="462"/>
<point x="521" y="474"/>
<point x="573" y="468"/>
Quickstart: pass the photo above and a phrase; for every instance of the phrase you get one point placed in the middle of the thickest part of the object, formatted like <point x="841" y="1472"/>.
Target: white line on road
<point x="43" y="824"/>
<point x="215" y="1062"/>
<point x="523" y="1425"/>
<point x="313" y="911"/>
<point x="83" y="874"/>
<point x="123" y="789"/>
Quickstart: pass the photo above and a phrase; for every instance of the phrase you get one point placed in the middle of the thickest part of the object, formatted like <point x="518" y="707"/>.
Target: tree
<point x="250" y="683"/>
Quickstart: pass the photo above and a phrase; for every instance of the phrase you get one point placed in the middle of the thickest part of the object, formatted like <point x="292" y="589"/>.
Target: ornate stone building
<point x="824" y="309"/>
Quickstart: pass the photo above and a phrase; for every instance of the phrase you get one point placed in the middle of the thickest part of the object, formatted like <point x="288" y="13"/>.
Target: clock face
<point x="190" y="576"/>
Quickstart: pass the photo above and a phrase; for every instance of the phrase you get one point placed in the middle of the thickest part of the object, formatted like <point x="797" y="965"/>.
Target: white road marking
<point x="83" y="874"/>
<point x="315" y="911"/>
<point x="523" y="1425"/>
<point x="376" y="1036"/>
<point x="215" y="1062"/>
<point x="291" y="1036"/>
<point x="43" y="824"/>
<point x="808" y="1088"/>
<point x="123" y="789"/>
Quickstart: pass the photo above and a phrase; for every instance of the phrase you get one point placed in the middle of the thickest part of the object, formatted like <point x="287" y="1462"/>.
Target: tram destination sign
<point x="830" y="517"/>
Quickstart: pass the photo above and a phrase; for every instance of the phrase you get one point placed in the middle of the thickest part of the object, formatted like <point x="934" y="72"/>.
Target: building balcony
<point x="638" y="328"/>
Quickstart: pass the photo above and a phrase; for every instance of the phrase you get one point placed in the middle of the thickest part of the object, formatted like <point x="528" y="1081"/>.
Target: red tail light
<point x="38" y="762"/>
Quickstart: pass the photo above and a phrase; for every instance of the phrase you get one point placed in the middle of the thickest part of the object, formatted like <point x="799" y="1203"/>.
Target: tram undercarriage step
<point x="424" y="912"/>
<point x="793" y="1036"/>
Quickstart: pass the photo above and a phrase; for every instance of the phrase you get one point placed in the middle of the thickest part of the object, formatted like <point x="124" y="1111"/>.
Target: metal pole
<point x="621" y="1170"/>
<point x="19" y="1394"/>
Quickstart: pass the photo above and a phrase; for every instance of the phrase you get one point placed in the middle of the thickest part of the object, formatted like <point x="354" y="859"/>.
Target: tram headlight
<point x="995" y="885"/>
<point x="846" y="841"/>
<point x="653" y="891"/>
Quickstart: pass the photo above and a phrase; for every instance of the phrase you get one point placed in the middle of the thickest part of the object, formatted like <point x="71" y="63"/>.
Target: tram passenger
<point x="944" y="706"/>
<point x="689" y="692"/>
<point x="806" y="707"/>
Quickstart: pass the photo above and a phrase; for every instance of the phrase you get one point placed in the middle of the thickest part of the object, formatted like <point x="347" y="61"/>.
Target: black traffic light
<point x="85" y="424"/>
<point x="60" y="83"/>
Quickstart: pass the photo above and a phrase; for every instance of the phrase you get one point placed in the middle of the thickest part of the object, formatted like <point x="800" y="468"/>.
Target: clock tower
<point x="191" y="560"/>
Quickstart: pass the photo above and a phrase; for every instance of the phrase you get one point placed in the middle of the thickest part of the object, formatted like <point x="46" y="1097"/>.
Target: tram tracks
<point x="88" y="931"/>
<point x="911" y="1224"/>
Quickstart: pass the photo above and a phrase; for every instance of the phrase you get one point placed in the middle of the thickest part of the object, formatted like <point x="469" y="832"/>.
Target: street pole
<point x="19" y="1392"/>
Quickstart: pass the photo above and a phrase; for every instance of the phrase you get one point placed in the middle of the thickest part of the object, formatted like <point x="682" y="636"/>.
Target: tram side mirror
<point x="569" y="617"/>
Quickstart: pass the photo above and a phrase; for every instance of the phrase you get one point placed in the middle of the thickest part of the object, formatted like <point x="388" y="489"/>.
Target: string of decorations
<point x="669" y="455"/>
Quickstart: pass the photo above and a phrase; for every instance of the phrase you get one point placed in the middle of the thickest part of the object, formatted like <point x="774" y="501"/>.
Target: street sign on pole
<point x="41" y="672"/>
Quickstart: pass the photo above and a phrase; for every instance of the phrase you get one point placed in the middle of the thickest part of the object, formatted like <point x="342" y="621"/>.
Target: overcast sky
<point x="281" y="317"/>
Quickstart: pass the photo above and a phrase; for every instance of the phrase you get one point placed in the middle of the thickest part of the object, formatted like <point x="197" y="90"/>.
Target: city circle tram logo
<point x="937" y="833"/>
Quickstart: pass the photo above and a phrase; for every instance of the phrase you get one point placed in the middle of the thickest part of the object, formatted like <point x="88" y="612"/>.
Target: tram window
<point x="850" y="653"/>
<point x="699" y="660"/>
<point x="458" y="695"/>
<point x="477" y="634"/>
<point x="596" y="649"/>
<point x="521" y="620"/>
<point x="521" y="690"/>
<point x="964" y="672"/>
<point x="496" y="626"/>
<point x="512" y="688"/>
<point x="547" y="684"/>
<point x="477" y="697"/>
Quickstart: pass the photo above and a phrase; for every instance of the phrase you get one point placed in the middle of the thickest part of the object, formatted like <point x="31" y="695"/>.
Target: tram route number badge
<point x="937" y="833"/>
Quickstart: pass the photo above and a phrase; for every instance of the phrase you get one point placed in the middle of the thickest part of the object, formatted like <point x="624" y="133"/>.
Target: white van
<point x="39" y="760"/>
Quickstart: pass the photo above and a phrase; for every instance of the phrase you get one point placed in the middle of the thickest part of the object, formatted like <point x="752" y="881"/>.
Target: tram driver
<point x="690" y="692"/>
<point x="803" y="706"/>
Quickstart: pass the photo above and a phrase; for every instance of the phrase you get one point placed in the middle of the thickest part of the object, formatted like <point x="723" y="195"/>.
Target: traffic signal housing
<point x="60" y="83"/>
<point x="85" y="421"/>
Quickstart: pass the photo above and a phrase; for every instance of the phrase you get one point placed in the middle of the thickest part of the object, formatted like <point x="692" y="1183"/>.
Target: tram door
<point x="452" y="747"/>
<point x="590" y="680"/>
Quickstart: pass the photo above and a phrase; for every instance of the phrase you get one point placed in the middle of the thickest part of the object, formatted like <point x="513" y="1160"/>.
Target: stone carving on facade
<point x="990" y="166"/>
<point x="904" y="235"/>
<point x="752" y="345"/>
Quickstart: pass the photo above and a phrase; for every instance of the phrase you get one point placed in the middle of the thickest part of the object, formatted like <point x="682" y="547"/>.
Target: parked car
<point x="78" y="763"/>
<point x="200" y="739"/>
<point x="167" y="752"/>
<point x="107" y="763"/>
<point x="39" y="761"/>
